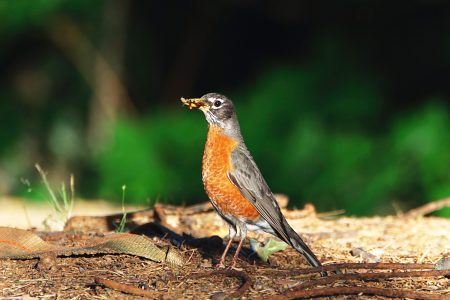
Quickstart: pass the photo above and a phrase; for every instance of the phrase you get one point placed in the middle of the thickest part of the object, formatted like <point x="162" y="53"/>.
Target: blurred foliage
<point x="20" y="15"/>
<point x="339" y="107"/>
<point x="158" y="156"/>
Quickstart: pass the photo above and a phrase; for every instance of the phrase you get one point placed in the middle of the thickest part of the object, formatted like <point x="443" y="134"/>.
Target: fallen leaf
<point x="268" y="249"/>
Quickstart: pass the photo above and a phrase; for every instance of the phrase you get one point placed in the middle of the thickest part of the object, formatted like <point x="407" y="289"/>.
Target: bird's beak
<point x="199" y="103"/>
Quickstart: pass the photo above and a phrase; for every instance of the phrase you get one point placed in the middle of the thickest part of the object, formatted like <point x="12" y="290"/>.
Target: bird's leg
<point x="236" y="254"/>
<point x="243" y="234"/>
<point x="224" y="254"/>
<point x="231" y="235"/>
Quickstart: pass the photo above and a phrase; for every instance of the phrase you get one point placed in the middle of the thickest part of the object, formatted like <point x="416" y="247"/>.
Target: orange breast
<point x="216" y="164"/>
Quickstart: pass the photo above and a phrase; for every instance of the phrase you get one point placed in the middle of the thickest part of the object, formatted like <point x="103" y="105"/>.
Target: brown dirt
<point x="391" y="239"/>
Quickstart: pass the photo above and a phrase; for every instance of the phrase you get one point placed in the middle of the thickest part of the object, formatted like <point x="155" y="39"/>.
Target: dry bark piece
<point x="23" y="244"/>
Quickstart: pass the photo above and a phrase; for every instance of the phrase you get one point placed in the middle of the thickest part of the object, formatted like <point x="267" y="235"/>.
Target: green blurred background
<point x="343" y="104"/>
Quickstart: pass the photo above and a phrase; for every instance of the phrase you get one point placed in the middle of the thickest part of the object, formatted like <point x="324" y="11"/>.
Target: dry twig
<point x="371" y="276"/>
<point x="360" y="266"/>
<point x="126" y="288"/>
<point x="308" y="289"/>
<point x="428" y="208"/>
<point x="334" y="291"/>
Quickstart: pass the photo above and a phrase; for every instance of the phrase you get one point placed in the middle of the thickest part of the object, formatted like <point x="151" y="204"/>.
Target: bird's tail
<point x="298" y="244"/>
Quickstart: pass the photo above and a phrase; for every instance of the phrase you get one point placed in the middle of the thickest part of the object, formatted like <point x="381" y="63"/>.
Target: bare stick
<point x="334" y="291"/>
<point x="126" y="288"/>
<point x="370" y="276"/>
<point x="428" y="208"/>
<point x="365" y="266"/>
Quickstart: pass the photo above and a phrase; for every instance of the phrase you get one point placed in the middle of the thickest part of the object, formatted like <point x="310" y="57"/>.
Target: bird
<point x="235" y="185"/>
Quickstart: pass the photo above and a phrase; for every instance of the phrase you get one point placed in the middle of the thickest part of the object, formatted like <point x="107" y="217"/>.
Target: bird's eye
<point x="217" y="103"/>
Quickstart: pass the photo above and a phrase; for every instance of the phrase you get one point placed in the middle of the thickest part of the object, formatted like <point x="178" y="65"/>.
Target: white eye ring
<point x="216" y="103"/>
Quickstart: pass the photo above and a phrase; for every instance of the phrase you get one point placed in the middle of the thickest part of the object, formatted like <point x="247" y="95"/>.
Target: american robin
<point x="234" y="184"/>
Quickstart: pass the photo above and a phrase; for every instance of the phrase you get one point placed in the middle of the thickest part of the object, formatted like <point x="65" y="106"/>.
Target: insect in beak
<point x="194" y="103"/>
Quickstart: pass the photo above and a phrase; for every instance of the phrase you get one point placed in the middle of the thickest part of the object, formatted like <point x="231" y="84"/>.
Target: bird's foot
<point x="233" y="266"/>
<point x="220" y="265"/>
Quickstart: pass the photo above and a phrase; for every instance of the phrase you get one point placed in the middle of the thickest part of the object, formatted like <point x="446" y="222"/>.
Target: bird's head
<point x="218" y="110"/>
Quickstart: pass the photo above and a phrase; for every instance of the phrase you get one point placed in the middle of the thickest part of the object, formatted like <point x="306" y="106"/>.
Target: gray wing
<point x="248" y="179"/>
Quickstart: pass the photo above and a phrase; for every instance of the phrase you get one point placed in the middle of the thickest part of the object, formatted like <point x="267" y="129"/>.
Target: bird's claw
<point x="220" y="265"/>
<point x="233" y="267"/>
